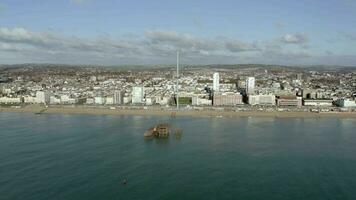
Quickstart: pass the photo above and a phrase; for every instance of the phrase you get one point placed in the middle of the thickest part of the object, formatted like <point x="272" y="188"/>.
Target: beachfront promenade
<point x="167" y="111"/>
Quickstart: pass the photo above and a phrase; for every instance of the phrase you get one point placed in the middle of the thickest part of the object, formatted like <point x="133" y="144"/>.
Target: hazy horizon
<point x="92" y="32"/>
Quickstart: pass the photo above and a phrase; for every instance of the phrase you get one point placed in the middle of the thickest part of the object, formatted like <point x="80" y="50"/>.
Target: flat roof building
<point x="286" y="101"/>
<point x="317" y="102"/>
<point x="227" y="99"/>
<point x="262" y="100"/>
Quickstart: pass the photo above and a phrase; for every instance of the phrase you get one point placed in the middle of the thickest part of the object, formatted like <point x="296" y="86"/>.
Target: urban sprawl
<point x="234" y="88"/>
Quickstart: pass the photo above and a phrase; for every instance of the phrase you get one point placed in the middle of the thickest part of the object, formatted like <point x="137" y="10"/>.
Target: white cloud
<point x="10" y="47"/>
<point x="53" y="42"/>
<point x="295" y="38"/>
<point x="238" y="46"/>
<point x="179" y="41"/>
<point x="21" y="35"/>
<point x="153" y="46"/>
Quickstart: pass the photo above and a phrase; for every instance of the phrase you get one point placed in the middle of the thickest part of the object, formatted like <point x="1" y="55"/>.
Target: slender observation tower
<point x="177" y="84"/>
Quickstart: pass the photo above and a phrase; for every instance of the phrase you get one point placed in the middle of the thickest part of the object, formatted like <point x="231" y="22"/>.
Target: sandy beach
<point x="150" y="112"/>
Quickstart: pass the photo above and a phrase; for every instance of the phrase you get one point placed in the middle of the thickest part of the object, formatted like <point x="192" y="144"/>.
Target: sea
<point x="84" y="157"/>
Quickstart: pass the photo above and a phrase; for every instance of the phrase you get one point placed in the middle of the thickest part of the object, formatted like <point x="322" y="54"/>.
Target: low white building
<point x="72" y="101"/>
<point x="64" y="98"/>
<point x="10" y="100"/>
<point x="99" y="100"/>
<point x="109" y="100"/>
<point x="90" y="101"/>
<point x="42" y="97"/>
<point x="346" y="103"/>
<point x="262" y="99"/>
<point x="6" y="90"/>
<point x="162" y="100"/>
<point x="318" y="102"/>
<point x="29" y="99"/>
<point x="54" y="100"/>
<point x="67" y="99"/>
<point x="196" y="101"/>
<point x="150" y="101"/>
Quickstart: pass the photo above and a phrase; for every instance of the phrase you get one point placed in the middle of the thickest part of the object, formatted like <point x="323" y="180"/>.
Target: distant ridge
<point x="210" y="66"/>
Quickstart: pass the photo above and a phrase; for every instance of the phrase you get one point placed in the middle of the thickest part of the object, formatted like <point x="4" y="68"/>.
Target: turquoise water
<point x="55" y="156"/>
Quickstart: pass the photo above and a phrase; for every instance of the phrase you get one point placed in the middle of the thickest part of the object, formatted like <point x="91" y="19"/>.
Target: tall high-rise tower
<point x="216" y="84"/>
<point x="138" y="94"/>
<point x="250" y="85"/>
<point x="119" y="97"/>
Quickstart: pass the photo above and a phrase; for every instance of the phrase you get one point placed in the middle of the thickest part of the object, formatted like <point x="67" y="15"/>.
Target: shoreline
<point x="188" y="113"/>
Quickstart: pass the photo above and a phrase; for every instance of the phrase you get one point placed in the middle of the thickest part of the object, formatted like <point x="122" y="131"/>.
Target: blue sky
<point x="304" y="32"/>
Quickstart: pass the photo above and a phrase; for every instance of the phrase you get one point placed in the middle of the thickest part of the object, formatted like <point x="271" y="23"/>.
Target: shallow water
<point x="58" y="156"/>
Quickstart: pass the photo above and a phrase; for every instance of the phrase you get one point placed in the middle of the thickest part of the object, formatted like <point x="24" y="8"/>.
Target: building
<point x="54" y="100"/>
<point x="10" y="100"/>
<point x="162" y="100"/>
<point x="150" y="101"/>
<point x="250" y="85"/>
<point x="90" y="101"/>
<point x="309" y="94"/>
<point x="216" y="82"/>
<point x="346" y="103"/>
<point x="196" y="101"/>
<point x="29" y="99"/>
<point x="227" y="99"/>
<point x="99" y="100"/>
<point x="119" y="97"/>
<point x="299" y="76"/>
<point x="109" y="100"/>
<point x="64" y="99"/>
<point x="276" y="86"/>
<point x="286" y="101"/>
<point x="318" y="102"/>
<point x="42" y="97"/>
<point x="269" y="100"/>
<point x="241" y="84"/>
<point x="4" y="79"/>
<point x="138" y="94"/>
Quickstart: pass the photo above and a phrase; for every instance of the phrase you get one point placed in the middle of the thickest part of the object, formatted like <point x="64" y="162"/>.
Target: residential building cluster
<point x="243" y="88"/>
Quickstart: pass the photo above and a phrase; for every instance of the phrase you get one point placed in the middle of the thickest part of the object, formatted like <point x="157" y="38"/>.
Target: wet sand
<point x="193" y="113"/>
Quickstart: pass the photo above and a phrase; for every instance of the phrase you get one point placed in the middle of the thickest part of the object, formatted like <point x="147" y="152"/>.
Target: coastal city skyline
<point x="177" y="99"/>
<point x="206" y="32"/>
<point x="249" y="89"/>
